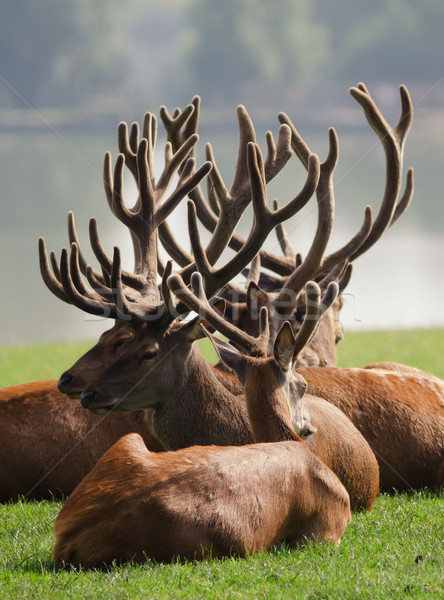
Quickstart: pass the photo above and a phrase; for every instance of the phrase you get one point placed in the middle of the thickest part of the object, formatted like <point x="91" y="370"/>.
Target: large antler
<point x="196" y="300"/>
<point x="110" y="292"/>
<point x="264" y="221"/>
<point x="226" y="206"/>
<point x="392" y="140"/>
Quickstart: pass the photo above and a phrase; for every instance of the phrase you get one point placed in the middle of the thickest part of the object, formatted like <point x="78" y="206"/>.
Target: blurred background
<point x="71" y="71"/>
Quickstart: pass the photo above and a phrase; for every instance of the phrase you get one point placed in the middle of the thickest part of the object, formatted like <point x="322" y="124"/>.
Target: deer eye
<point x="147" y="355"/>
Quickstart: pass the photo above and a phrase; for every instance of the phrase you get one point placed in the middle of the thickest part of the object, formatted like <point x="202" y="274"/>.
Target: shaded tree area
<point x="53" y="53"/>
<point x="383" y="39"/>
<point x="74" y="52"/>
<point x="239" y="42"/>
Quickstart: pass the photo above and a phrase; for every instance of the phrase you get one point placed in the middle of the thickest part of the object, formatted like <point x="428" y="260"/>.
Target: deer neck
<point x="199" y="410"/>
<point x="267" y="407"/>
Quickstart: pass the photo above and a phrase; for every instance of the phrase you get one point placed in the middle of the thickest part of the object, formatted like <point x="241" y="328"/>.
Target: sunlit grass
<point x="395" y="551"/>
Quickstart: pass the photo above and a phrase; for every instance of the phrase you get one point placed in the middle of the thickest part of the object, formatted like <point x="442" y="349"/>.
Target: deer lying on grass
<point x="203" y="411"/>
<point x="50" y="444"/>
<point x="181" y="128"/>
<point x="206" y="501"/>
<point x="201" y="394"/>
<point x="62" y="423"/>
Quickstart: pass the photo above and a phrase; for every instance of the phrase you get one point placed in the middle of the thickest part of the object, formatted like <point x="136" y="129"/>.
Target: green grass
<point x="36" y="362"/>
<point x="395" y="551"/>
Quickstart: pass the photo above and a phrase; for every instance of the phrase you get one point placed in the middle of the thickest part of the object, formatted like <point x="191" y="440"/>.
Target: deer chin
<point x="99" y="406"/>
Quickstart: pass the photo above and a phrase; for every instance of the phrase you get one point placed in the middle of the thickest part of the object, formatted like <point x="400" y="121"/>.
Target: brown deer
<point x="159" y="341"/>
<point x="50" y="444"/>
<point x="393" y="410"/>
<point x="182" y="127"/>
<point x="203" y="411"/>
<point x="206" y="501"/>
<point x="62" y="423"/>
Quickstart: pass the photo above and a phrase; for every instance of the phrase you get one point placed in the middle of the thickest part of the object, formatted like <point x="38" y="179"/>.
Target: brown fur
<point x="400" y="412"/>
<point x="206" y="501"/>
<point x="89" y="366"/>
<point x="202" y="411"/>
<point x="48" y="444"/>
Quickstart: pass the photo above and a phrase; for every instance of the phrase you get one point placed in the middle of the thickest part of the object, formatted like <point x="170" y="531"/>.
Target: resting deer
<point x="292" y="271"/>
<point x="206" y="501"/>
<point x="160" y="341"/>
<point x="191" y="405"/>
<point x="50" y="444"/>
<point x="63" y="425"/>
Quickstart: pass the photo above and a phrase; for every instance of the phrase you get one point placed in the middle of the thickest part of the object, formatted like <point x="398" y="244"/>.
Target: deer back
<point x="399" y="412"/>
<point x="198" y="503"/>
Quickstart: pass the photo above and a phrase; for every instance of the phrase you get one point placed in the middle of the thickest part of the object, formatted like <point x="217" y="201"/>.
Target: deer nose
<point x="63" y="382"/>
<point x="86" y="398"/>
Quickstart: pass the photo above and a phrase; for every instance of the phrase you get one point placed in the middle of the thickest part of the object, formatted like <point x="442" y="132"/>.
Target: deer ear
<point x="192" y="330"/>
<point x="229" y="355"/>
<point x="284" y="347"/>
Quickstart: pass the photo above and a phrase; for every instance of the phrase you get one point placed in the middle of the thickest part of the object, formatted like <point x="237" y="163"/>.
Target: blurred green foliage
<point x="74" y="52"/>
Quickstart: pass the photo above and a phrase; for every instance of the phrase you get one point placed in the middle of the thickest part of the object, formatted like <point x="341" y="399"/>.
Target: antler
<point x="264" y="220"/>
<point x="195" y="299"/>
<point x="225" y="206"/>
<point x="137" y="292"/>
<point x="393" y="140"/>
<point x="316" y="305"/>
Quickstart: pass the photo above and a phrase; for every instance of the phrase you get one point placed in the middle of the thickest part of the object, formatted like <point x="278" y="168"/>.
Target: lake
<point x="45" y="173"/>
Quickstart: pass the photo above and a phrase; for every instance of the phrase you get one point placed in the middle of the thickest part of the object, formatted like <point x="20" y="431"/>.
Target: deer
<point x="51" y="444"/>
<point x="159" y="340"/>
<point x="78" y="431"/>
<point x="206" y="501"/>
<point x="228" y="206"/>
<point x="176" y="336"/>
<point x="193" y="405"/>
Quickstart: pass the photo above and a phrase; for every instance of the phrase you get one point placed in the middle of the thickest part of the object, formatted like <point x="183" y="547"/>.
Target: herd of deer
<point x="179" y="458"/>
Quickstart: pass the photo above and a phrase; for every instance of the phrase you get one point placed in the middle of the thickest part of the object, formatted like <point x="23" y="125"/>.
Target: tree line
<point x="66" y="53"/>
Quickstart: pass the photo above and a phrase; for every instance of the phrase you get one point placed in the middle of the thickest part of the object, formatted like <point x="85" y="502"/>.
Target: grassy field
<point x="395" y="551"/>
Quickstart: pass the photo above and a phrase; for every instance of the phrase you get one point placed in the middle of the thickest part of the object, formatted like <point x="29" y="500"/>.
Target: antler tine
<point x="282" y="237"/>
<point x="406" y="198"/>
<point x="325" y="202"/>
<point x="166" y="294"/>
<point x="353" y="245"/>
<point x="51" y="282"/>
<point x="196" y="301"/>
<point x="341" y="273"/>
<point x="264" y="221"/>
<point x="254" y="272"/>
<point x="74" y="239"/>
<point x="127" y="144"/>
<point x="131" y="279"/>
<point x="315" y="308"/>
<point x="392" y="140"/>
<point x="187" y="118"/>
<point x="93" y="305"/>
